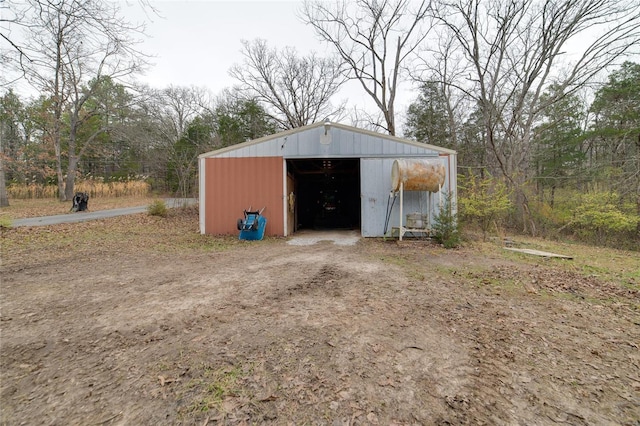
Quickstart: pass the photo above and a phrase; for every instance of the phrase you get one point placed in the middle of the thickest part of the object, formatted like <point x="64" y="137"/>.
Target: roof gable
<point x="316" y="140"/>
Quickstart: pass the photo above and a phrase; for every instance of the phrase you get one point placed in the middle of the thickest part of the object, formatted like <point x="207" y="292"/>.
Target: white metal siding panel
<point x="357" y="143"/>
<point x="341" y="133"/>
<point x="374" y="194"/>
<point x="378" y="147"/>
<point x="388" y="149"/>
<point x="201" y="192"/>
<point x="347" y="146"/>
<point x="451" y="183"/>
<point x="309" y="142"/>
<point x="375" y="178"/>
<point x="268" y="148"/>
<point x="290" y="145"/>
<point x="344" y="143"/>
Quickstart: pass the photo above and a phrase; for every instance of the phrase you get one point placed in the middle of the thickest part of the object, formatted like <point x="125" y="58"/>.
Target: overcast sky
<point x="197" y="42"/>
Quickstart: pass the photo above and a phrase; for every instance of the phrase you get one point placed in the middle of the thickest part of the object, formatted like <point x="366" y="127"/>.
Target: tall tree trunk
<point x="58" y="150"/>
<point x="73" y="157"/>
<point x="57" y="114"/>
<point x="4" y="199"/>
<point x="70" y="182"/>
<point x="638" y="185"/>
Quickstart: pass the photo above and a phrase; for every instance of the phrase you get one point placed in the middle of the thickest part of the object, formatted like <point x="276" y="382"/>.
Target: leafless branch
<point x="374" y="38"/>
<point x="295" y="90"/>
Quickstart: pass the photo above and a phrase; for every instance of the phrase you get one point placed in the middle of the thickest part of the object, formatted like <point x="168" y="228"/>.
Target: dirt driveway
<point x="268" y="332"/>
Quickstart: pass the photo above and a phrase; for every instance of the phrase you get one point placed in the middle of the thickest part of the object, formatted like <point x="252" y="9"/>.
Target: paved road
<point x="101" y="214"/>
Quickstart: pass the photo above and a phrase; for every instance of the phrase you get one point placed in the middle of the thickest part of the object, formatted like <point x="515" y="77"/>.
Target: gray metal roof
<point x="334" y="141"/>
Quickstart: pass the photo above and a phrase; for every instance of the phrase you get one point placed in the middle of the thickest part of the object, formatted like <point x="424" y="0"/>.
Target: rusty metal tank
<point x="418" y="174"/>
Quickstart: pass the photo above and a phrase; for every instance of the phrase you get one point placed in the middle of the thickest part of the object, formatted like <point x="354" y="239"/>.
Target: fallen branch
<point x="412" y="347"/>
<point x="564" y="226"/>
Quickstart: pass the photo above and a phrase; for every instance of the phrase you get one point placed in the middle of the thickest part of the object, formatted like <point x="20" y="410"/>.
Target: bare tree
<point x="514" y="50"/>
<point x="177" y="106"/>
<point x="295" y="91"/>
<point x="363" y="119"/>
<point x="374" y="38"/>
<point x="11" y="15"/>
<point x="238" y="118"/>
<point x="182" y="131"/>
<point x="71" y="46"/>
<point x="440" y="66"/>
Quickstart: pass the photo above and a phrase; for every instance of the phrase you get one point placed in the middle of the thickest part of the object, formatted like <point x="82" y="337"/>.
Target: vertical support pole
<point x="400" y="225"/>
<point x="429" y="212"/>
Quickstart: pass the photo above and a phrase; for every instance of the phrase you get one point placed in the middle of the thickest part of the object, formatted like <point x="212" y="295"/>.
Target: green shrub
<point x="158" y="208"/>
<point x="601" y="217"/>
<point x="483" y="201"/>
<point x="446" y="230"/>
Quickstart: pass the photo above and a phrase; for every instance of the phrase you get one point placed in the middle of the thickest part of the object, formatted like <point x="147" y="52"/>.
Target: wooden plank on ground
<point x="539" y="253"/>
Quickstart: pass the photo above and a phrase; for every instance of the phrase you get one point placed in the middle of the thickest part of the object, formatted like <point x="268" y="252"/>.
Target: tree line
<point x="538" y="94"/>
<point x="150" y="134"/>
<point x="583" y="153"/>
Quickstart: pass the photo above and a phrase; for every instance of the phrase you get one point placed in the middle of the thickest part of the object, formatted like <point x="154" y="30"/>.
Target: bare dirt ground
<point x="140" y="320"/>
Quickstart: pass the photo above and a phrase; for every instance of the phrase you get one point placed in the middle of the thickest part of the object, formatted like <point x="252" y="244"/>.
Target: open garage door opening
<point x="327" y="193"/>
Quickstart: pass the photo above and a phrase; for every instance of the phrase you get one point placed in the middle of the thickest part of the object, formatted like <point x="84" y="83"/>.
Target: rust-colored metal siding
<point x="235" y="184"/>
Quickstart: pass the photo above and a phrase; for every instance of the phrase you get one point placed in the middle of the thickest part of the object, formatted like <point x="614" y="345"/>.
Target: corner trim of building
<point x="201" y="195"/>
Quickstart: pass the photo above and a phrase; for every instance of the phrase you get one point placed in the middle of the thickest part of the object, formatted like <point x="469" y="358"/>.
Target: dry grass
<point x="96" y="188"/>
<point x="118" y="236"/>
<point x="604" y="263"/>
<point x="125" y="188"/>
<point x="31" y="191"/>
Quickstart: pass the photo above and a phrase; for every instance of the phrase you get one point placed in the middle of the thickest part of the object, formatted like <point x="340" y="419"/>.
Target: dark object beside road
<point x="80" y="202"/>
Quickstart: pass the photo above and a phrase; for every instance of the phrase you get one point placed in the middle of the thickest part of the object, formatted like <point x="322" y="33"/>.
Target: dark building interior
<point x="327" y="193"/>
